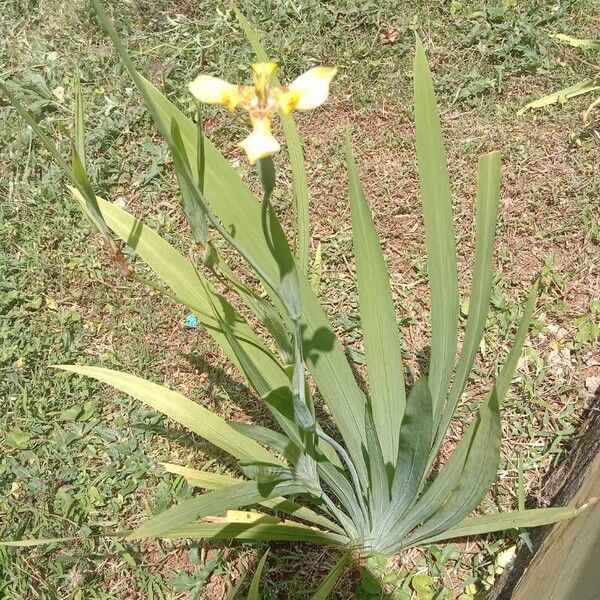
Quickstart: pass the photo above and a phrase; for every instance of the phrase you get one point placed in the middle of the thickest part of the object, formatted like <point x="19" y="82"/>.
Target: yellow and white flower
<point x="262" y="101"/>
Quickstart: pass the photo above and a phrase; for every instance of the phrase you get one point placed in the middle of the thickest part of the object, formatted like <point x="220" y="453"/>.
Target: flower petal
<point x="260" y="143"/>
<point x="213" y="90"/>
<point x="310" y="89"/>
<point x="264" y="69"/>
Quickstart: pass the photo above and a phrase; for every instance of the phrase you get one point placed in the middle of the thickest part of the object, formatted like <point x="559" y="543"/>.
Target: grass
<point x="76" y="455"/>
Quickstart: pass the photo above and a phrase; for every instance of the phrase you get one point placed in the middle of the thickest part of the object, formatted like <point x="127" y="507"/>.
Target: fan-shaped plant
<point x="366" y="485"/>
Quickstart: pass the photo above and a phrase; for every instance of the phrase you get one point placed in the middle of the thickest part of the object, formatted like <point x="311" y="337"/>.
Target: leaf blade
<point x="535" y="517"/>
<point x="488" y="195"/>
<point x="195" y="417"/>
<point x="436" y="201"/>
<point x="378" y="318"/>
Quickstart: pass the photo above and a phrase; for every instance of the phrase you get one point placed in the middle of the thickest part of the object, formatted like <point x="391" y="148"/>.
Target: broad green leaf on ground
<point x="190" y="414"/>
<point x="215" y="502"/>
<point x="534" y="517"/>
<point x="583" y="87"/>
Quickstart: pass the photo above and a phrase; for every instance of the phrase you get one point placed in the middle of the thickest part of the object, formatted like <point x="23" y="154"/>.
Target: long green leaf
<point x="192" y="288"/>
<point x="443" y="485"/>
<point x="296" y="154"/>
<point x="253" y="592"/>
<point x="38" y="542"/>
<point x="478" y="474"/>
<point x="379" y="488"/>
<point x="488" y="193"/>
<point x="535" y="517"/>
<point x="268" y="532"/>
<point x="240" y="213"/>
<point x="194" y="213"/>
<point x="195" y="417"/>
<point x="507" y="372"/>
<point x="436" y="199"/>
<point x="328" y="584"/>
<point x="415" y="441"/>
<point x="382" y="344"/>
<point x="215" y="502"/>
<point x="583" y="87"/>
<point x="450" y="475"/>
<point x="213" y="481"/>
<point x="261" y="308"/>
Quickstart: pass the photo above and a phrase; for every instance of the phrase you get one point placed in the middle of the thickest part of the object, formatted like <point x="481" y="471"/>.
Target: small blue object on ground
<point x="191" y="321"/>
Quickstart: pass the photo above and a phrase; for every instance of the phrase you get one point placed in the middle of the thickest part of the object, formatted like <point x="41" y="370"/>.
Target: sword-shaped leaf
<point x="265" y="531"/>
<point x="436" y="199"/>
<point x="328" y="584"/>
<point x="253" y="592"/>
<point x="190" y="414"/>
<point x="378" y="319"/>
<point x="488" y="192"/>
<point x="415" y="442"/>
<point x="535" y="517"/>
<point x="478" y="474"/>
<point x="214" y="503"/>
<point x="214" y="481"/>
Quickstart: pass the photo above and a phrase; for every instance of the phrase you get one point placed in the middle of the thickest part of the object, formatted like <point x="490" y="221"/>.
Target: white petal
<point x="260" y="143"/>
<point x="213" y="90"/>
<point x="312" y="88"/>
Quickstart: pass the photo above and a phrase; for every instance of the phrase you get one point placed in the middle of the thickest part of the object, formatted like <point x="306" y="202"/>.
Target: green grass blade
<point x="577" y="42"/>
<point x="328" y="584"/>
<point x="76" y="173"/>
<point x="507" y="372"/>
<point x="583" y="87"/>
<point x="266" y="532"/>
<point x="436" y="199"/>
<point x="46" y="141"/>
<point x="195" y="417"/>
<point x="214" y="481"/>
<point x="296" y="154"/>
<point x="415" y="442"/>
<point x="488" y="193"/>
<point x="38" y="542"/>
<point x="218" y="501"/>
<point x="535" y="517"/>
<point x="88" y="202"/>
<point x="380" y="332"/>
<point x="253" y="592"/>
